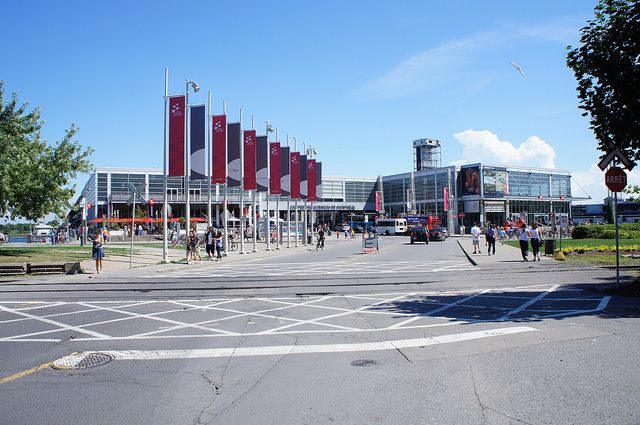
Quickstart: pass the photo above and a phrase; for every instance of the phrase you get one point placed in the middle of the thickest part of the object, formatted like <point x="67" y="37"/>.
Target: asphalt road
<point x="413" y="334"/>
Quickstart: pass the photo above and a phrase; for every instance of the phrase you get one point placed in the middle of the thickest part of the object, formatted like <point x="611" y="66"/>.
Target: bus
<point x="391" y="226"/>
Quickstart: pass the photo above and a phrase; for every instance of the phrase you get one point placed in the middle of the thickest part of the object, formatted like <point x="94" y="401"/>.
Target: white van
<point x="391" y="226"/>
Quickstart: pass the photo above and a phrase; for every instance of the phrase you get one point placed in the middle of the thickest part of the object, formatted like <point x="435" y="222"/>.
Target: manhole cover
<point x="82" y="361"/>
<point x="363" y="362"/>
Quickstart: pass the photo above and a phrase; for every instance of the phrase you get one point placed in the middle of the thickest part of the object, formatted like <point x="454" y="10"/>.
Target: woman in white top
<point x="535" y="241"/>
<point x="523" y="236"/>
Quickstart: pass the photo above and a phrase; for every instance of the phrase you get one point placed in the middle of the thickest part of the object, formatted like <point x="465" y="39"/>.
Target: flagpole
<point x="289" y="211"/>
<point x="187" y="152"/>
<point x="242" y="251"/>
<point x="277" y="213"/>
<point x="305" y="222"/>
<point x="165" y="209"/>
<point x="295" y="148"/>
<point x="209" y="151"/>
<point x="254" y="216"/>
<point x="224" y="195"/>
<point x="267" y="231"/>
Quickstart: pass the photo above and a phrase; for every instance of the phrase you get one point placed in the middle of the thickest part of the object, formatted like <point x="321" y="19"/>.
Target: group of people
<point x="213" y="245"/>
<point x="494" y="233"/>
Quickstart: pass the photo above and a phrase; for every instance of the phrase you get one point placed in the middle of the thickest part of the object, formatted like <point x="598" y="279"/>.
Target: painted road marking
<point x="437" y="310"/>
<point x="347" y="267"/>
<point x="286" y="313"/>
<point x="281" y="350"/>
<point x="530" y="302"/>
<point x="24" y="373"/>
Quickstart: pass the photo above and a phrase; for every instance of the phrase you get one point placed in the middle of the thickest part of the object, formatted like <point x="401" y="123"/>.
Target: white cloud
<point x="590" y="182"/>
<point x="485" y="146"/>
<point x="429" y="68"/>
<point x="454" y="60"/>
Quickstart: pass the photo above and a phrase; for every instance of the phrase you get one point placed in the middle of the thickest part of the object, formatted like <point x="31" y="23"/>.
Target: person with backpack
<point x="492" y="233"/>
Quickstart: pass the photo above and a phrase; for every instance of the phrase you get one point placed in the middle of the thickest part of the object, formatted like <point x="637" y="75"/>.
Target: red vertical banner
<point x="219" y="150"/>
<point x="378" y="201"/>
<point x="311" y="180"/>
<point x="445" y="193"/>
<point x="250" y="160"/>
<point x="295" y="175"/>
<point x="177" y="122"/>
<point x="274" y="170"/>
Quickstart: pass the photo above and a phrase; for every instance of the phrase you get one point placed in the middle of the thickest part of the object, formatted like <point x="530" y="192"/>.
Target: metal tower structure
<point x="426" y="154"/>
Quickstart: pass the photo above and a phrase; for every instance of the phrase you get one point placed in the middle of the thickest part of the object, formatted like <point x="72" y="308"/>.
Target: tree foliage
<point x="34" y="175"/>
<point x="607" y="67"/>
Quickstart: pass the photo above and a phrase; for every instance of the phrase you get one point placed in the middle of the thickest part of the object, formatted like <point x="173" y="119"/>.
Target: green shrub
<point x="585" y="232"/>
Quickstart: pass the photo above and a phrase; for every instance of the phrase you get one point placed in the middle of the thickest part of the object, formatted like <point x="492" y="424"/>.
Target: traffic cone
<point x="559" y="256"/>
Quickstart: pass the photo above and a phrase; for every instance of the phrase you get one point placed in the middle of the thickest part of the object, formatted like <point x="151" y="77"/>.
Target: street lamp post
<point x="187" y="153"/>
<point x="267" y="232"/>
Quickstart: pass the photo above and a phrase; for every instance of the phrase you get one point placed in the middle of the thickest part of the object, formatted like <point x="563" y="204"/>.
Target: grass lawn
<point x="591" y="254"/>
<point x="580" y="243"/>
<point x="53" y="253"/>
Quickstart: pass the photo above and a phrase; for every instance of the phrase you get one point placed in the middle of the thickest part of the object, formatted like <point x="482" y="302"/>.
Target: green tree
<point x="35" y="176"/>
<point x="607" y="67"/>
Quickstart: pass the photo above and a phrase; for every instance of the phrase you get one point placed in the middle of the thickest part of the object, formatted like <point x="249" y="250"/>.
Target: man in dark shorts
<point x="320" y="243"/>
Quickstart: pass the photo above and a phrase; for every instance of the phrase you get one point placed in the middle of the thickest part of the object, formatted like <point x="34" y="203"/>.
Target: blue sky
<point x="358" y="80"/>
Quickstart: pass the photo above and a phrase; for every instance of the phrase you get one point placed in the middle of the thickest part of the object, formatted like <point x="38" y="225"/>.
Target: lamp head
<point x="196" y="87"/>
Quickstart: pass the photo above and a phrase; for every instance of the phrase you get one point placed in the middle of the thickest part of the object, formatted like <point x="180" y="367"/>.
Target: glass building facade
<point x="479" y="194"/>
<point x="108" y="191"/>
<point x="476" y="193"/>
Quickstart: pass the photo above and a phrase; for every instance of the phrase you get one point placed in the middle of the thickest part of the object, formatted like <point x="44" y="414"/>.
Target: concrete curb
<point x="471" y="260"/>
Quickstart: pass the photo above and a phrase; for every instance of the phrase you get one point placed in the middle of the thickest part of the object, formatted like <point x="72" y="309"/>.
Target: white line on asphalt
<point x="530" y="302"/>
<point x="318" y="320"/>
<point x="63" y="326"/>
<point x="603" y="303"/>
<point x="437" y="310"/>
<point x="160" y="319"/>
<point x="280" y="350"/>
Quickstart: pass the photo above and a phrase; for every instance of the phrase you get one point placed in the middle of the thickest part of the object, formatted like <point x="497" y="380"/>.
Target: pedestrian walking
<point x="195" y="250"/>
<point x="320" y="243"/>
<point x="218" y="242"/>
<point x="475" y="238"/>
<point x="535" y="241"/>
<point x="209" y="238"/>
<point x="523" y="237"/>
<point x="98" y="252"/>
<point x="492" y="232"/>
<point x="191" y="243"/>
<point x="502" y="234"/>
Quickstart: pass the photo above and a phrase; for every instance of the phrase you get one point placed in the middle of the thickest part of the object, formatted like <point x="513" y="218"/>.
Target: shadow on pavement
<point x="516" y="306"/>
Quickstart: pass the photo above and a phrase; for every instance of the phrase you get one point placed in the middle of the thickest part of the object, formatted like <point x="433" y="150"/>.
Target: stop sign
<point x="616" y="179"/>
<point x="152" y="201"/>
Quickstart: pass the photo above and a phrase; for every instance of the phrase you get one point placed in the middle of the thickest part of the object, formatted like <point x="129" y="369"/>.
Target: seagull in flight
<point x="518" y="68"/>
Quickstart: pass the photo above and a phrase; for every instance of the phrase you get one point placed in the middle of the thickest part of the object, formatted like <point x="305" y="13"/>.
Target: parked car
<point x="419" y="234"/>
<point x="444" y="230"/>
<point x="437" y="234"/>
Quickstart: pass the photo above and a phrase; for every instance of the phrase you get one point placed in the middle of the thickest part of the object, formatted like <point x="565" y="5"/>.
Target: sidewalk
<point x="505" y="254"/>
<point x="150" y="258"/>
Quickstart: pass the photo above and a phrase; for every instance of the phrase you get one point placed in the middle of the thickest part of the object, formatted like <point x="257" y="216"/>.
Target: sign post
<point x="132" y="200"/>
<point x="616" y="180"/>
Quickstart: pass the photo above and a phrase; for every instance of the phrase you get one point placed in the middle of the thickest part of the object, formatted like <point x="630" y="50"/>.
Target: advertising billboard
<point x="495" y="182"/>
<point x="470" y="180"/>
